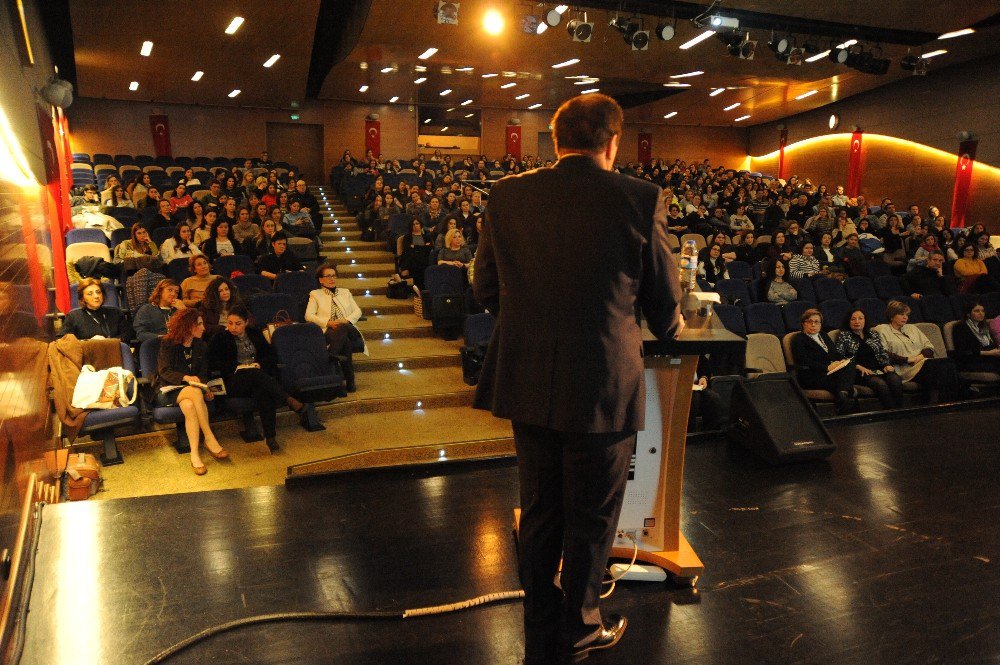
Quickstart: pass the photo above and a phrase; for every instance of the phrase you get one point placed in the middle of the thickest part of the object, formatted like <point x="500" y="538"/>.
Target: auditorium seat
<point x="834" y="312"/>
<point x="440" y="281"/>
<point x="888" y="287"/>
<point x="250" y="285"/>
<point x="985" y="379"/>
<point x="225" y="265"/>
<point x="179" y="270"/>
<point x="933" y="333"/>
<point x="86" y="235"/>
<point x="148" y="353"/>
<point x="731" y="317"/>
<point x="764" y="317"/>
<point x="739" y="270"/>
<point x="814" y="395"/>
<point x="101" y="423"/>
<point x="874" y="310"/>
<point x="79" y="250"/>
<point x="699" y="240"/>
<point x="959" y="301"/>
<point x="734" y="292"/>
<point x="307" y="372"/>
<point x="264" y="307"/>
<point x="936" y="309"/>
<point x="160" y="234"/>
<point x="916" y="313"/>
<point x="991" y="301"/>
<point x="792" y="314"/>
<point x="764" y="355"/>
<point x="859" y="287"/>
<point x="805" y="289"/>
<point x="828" y="288"/>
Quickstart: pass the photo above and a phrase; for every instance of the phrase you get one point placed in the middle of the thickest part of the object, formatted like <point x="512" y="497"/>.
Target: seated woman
<point x="220" y="244"/>
<point x="180" y="199"/>
<point x="725" y="243"/>
<point x="151" y="319"/>
<point x="454" y="253"/>
<point x="279" y="260"/>
<point x="179" y="245"/>
<point x="262" y="245"/>
<point x="859" y="341"/>
<point x="245" y="231"/>
<point x="93" y="320"/>
<point x="415" y="249"/>
<point x="248" y="368"/>
<point x="118" y="199"/>
<point x="335" y="312"/>
<point x="744" y="248"/>
<point x="972" y="272"/>
<point x="138" y="245"/>
<point x="183" y="361"/>
<point x="912" y="354"/>
<point x="221" y="296"/>
<point x="773" y="287"/>
<point x="806" y="264"/>
<point x="441" y="231"/>
<point x="975" y="348"/>
<point x="712" y="267"/>
<point x="987" y="254"/>
<point x="817" y="359"/>
<point x="203" y="232"/>
<point x="193" y="288"/>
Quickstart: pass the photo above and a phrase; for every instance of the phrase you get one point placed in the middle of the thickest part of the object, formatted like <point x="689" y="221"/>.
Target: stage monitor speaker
<point x="771" y="416"/>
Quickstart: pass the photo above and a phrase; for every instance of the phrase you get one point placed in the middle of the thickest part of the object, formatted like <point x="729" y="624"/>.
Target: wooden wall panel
<point x="724" y="146"/>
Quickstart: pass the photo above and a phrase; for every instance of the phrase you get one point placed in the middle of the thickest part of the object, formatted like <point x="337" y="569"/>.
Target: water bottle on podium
<point x="695" y="305"/>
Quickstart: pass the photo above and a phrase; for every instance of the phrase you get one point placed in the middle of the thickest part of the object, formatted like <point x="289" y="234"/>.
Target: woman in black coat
<point x="93" y="319"/>
<point x="815" y="355"/>
<point x="246" y="362"/>
<point x="975" y="348"/>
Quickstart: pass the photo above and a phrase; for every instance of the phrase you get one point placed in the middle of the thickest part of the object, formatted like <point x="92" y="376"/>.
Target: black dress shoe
<point x="272" y="444"/>
<point x="612" y="631"/>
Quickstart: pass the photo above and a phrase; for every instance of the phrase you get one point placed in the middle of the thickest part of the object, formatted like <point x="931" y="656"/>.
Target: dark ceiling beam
<point x="338" y="29"/>
<point x="779" y="23"/>
<point x="58" y="30"/>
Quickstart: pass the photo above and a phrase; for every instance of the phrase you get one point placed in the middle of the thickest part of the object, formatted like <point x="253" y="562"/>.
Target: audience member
<point x="712" y="266"/>
<point x="928" y="279"/>
<point x="204" y="232"/>
<point x="92" y="320"/>
<point x="773" y="286"/>
<point x="972" y="272"/>
<point x="975" y="348"/>
<point x="913" y="356"/>
<point x="179" y="245"/>
<point x="193" y="287"/>
<point x="415" y="253"/>
<point x="806" y="264"/>
<point x="221" y="296"/>
<point x="151" y="319"/>
<point x="818" y="364"/>
<point x="138" y="245"/>
<point x="335" y="312"/>
<point x="859" y="341"/>
<point x="298" y="223"/>
<point x="454" y="252"/>
<point x="220" y="244"/>
<point x="278" y="260"/>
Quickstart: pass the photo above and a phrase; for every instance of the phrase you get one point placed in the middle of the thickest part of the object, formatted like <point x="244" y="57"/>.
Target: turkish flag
<point x="645" y="148"/>
<point x="782" y="142"/>
<point x="159" y="126"/>
<point x="49" y="198"/>
<point x="855" y="165"/>
<point x="514" y="141"/>
<point x="373" y="137"/>
<point x="963" y="182"/>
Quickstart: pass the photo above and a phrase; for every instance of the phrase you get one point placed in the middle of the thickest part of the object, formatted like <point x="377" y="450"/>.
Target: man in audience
<point x="90" y="197"/>
<point x="279" y="260"/>
<point x="929" y="279"/>
<point x="839" y="199"/>
<point x="800" y="210"/>
<point x="307" y="203"/>
<point x="888" y="210"/>
<point x="162" y="219"/>
<point x="214" y="195"/>
<point x="854" y="257"/>
<point x="265" y="160"/>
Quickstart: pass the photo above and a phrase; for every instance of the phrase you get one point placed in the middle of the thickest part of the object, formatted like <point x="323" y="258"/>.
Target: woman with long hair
<point x="220" y="244"/>
<point x="179" y="245"/>
<point x="221" y="295"/>
<point x="774" y="286"/>
<point x="859" y="341"/>
<point x="181" y="370"/>
<point x="151" y="319"/>
<point x="139" y="244"/>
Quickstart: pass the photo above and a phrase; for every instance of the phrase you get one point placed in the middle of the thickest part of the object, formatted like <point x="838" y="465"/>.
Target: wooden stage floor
<point x="886" y="553"/>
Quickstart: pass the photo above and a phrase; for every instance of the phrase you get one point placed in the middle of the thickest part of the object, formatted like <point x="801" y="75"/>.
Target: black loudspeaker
<point x="771" y="416"/>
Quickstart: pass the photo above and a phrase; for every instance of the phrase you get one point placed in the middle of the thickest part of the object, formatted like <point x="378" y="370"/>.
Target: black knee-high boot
<point x="347" y="367"/>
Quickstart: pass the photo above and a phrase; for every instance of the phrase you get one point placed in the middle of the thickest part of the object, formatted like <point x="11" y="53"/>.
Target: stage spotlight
<point x="554" y="16"/>
<point x="664" y="32"/>
<point x="747" y="50"/>
<point x="839" y="55"/>
<point x="530" y="24"/>
<point x="637" y="39"/>
<point x="580" y="31"/>
<point x="780" y="45"/>
<point x="795" y="57"/>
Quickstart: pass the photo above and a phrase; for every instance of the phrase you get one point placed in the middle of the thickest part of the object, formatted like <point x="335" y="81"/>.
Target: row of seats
<point x="741" y="286"/>
<point x="149" y="160"/>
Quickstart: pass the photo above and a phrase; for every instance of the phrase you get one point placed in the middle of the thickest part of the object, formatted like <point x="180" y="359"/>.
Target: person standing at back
<point x="565" y="360"/>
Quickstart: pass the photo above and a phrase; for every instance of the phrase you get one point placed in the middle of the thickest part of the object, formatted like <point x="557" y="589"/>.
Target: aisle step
<point x="374" y="306"/>
<point x="410" y="363"/>
<point x="345" y="255"/>
<point x="394" y="323"/>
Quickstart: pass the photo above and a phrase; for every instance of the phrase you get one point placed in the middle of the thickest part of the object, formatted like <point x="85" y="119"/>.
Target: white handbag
<point x="104" y="389"/>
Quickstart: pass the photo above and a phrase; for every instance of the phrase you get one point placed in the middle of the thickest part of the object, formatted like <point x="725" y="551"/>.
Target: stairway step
<point x="344" y="256"/>
<point x="373" y="286"/>
<point x="383" y="305"/>
<point x="350" y="234"/>
<point x="410" y="363"/>
<point x="393" y="322"/>
<point x="392" y="349"/>
<point x="332" y="243"/>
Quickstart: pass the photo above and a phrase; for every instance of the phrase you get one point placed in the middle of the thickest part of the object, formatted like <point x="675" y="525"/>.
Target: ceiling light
<point x="807" y="94"/>
<point x="420" y="69"/>
<point x="741" y="118"/>
<point x="445" y="92"/>
<point x="470" y="115"/>
<point x="386" y="70"/>
<point x="933" y="54"/>
<point x="449" y="110"/>
<point x="957" y="33"/>
<point x="586" y="82"/>
<point x="197" y="75"/>
<point x="587" y="92"/>
<point x="273" y="59"/>
<point x="393" y="99"/>
<point x="716" y="92"/>
<point x="464" y="69"/>
<point x="731" y="107"/>
<point x="566" y="63"/>
<point x="493" y="22"/>
<point x="674" y="84"/>
<point x="427" y="121"/>
<point x="363" y="88"/>
<point x="466" y="102"/>
<point x="489" y="76"/>
<point x="535" y="106"/>
<point x="697" y="40"/>
<point x="849" y="43"/>
<point x="234" y="25"/>
<point x="147" y="48"/>
<point x="818" y="56"/>
<point x="689" y="74"/>
<point x="235" y="92"/>
<point x="428" y="53"/>
<point x="133" y="86"/>
<point x="445" y="128"/>
<point x="524" y="96"/>
<point x="363" y="66"/>
<point x="541" y="28"/>
<point x="507" y="85"/>
<point x="670" y="115"/>
<point x="420" y="80"/>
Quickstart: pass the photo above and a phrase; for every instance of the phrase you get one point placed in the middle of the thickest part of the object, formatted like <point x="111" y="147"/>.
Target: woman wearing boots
<point x="245" y="360"/>
<point x="335" y="311"/>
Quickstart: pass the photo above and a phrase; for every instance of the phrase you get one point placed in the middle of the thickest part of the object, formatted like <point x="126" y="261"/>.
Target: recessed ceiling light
<point x="445" y="92"/>
<point x="464" y="69"/>
<point x="427" y="121"/>
<point x="587" y="92"/>
<point x="449" y="110"/>
<point x="731" y="107"/>
<point x="566" y="63"/>
<point x="393" y="99"/>
<point x="689" y="74"/>
<point x="489" y="76"/>
<point x="818" y="56"/>
<point x="445" y="128"/>
<point x="697" y="40"/>
<point x="363" y="88"/>
<point x="933" y="54"/>
<point x="586" y="81"/>
<point x="420" y="69"/>
<point x="197" y="75"/>
<point x="428" y="53"/>
<point x="147" y="48"/>
<point x="716" y="92"/>
<point x="235" y="92"/>
<point x="670" y="115"/>
<point x="507" y="85"/>
<point x="848" y="43"/>
<point x="363" y="66"/>
<point x="133" y="86"/>
<point x="807" y="94"/>
<point x="234" y="25"/>
<point x="535" y="106"/>
<point x="386" y="70"/>
<point x="524" y="96"/>
<point x="493" y="22"/>
<point x="273" y="59"/>
<point x="420" y="80"/>
<point x="957" y="33"/>
<point x="741" y="118"/>
<point x="470" y="115"/>
<point x="674" y="84"/>
<point x="466" y="102"/>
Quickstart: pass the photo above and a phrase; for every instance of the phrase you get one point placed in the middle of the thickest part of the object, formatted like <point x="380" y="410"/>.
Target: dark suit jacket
<point x="566" y="353"/>
<point x="810" y="358"/>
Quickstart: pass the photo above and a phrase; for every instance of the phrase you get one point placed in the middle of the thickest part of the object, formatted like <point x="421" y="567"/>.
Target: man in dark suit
<point x="565" y="361"/>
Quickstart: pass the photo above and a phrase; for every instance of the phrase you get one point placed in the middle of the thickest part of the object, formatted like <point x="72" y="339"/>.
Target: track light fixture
<point x="664" y="31"/>
<point x="630" y="28"/>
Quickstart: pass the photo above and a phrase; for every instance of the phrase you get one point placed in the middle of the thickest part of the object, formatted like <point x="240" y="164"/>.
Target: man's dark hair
<point x="280" y="235"/>
<point x="90" y="188"/>
<point x="586" y="123"/>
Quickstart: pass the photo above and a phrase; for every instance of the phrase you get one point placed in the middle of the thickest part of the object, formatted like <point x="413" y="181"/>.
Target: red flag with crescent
<point x="963" y="182"/>
<point x="514" y="141"/>
<point x="782" y="142"/>
<point x="645" y="148"/>
<point x="159" y="126"/>
<point x="373" y="137"/>
<point x="855" y="165"/>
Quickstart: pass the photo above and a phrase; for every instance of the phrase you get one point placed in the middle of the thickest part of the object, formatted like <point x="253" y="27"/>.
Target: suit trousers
<point x="571" y="488"/>
<point x="264" y="389"/>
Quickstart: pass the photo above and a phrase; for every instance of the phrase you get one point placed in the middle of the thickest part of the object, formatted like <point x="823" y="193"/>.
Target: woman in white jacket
<point x="335" y="311"/>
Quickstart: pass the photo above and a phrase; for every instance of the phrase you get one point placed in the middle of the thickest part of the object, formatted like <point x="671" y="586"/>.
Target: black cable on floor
<point x="29" y="583"/>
